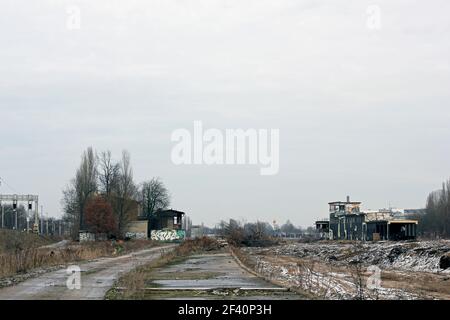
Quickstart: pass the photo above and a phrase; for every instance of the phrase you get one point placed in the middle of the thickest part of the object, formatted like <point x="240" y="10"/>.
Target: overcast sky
<point x="361" y="111"/>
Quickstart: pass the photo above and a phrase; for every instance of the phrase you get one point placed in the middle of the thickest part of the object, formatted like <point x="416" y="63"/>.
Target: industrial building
<point x="165" y="225"/>
<point x="348" y="222"/>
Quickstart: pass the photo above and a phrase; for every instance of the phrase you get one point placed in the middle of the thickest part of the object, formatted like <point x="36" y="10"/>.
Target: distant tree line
<point x="103" y="196"/>
<point x="435" y="222"/>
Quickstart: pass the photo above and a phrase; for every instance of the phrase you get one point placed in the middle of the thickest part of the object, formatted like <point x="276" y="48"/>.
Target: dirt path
<point x="97" y="277"/>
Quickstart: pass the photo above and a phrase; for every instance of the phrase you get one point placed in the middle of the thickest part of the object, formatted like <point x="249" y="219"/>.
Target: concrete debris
<point x="334" y="270"/>
<point x="335" y="286"/>
<point x="426" y="256"/>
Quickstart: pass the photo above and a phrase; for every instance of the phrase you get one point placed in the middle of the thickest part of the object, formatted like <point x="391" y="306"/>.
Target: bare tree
<point x="81" y="189"/>
<point x="124" y="192"/>
<point x="109" y="173"/>
<point x="154" y="196"/>
<point x="257" y="231"/>
<point x="70" y="208"/>
<point x="233" y="232"/>
<point x="436" y="221"/>
<point x="356" y="269"/>
<point x="86" y="181"/>
<point x="288" y="227"/>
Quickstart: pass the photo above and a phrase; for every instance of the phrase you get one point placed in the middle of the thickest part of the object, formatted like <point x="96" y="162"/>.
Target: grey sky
<point x="361" y="112"/>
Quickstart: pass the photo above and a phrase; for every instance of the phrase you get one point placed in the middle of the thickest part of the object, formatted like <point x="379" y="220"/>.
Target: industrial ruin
<point x="347" y="222"/>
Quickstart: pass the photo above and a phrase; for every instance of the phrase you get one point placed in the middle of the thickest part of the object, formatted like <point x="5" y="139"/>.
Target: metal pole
<point x="3" y="216"/>
<point x="15" y="219"/>
<point x="36" y="217"/>
<point x="28" y="216"/>
<point x="42" y="219"/>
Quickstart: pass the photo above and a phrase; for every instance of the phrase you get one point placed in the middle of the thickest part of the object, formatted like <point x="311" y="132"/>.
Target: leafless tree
<point x="80" y="190"/>
<point x="124" y="192"/>
<point x="71" y="211"/>
<point x="356" y="270"/>
<point x="154" y="196"/>
<point x="258" y="230"/>
<point x="436" y="220"/>
<point x="109" y="173"/>
<point x="233" y="232"/>
<point x="86" y="181"/>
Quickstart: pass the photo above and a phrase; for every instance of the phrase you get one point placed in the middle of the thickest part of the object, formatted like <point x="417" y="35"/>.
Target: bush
<point x="251" y="234"/>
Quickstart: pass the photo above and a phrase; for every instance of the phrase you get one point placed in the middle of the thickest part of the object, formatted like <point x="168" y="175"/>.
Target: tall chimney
<point x="348" y="198"/>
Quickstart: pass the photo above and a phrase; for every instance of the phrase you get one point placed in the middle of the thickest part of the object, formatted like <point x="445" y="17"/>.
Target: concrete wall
<point x="197" y="232"/>
<point x="168" y="235"/>
<point x="86" y="236"/>
<point x="137" y="229"/>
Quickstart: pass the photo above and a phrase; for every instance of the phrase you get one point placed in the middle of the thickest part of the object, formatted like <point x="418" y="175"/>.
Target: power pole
<point x="3" y="216"/>
<point x="36" y="217"/>
<point x="15" y="213"/>
<point x="42" y="219"/>
<point x="28" y="216"/>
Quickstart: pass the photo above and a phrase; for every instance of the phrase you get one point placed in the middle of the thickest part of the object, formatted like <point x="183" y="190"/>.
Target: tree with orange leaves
<point x="100" y="217"/>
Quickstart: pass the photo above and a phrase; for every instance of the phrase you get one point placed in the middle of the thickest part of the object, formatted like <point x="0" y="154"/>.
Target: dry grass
<point x="353" y="279"/>
<point x="13" y="241"/>
<point x="24" y="260"/>
<point x="295" y="266"/>
<point x="244" y="258"/>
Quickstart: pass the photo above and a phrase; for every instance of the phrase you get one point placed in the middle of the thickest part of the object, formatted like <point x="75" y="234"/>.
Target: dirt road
<point x="97" y="277"/>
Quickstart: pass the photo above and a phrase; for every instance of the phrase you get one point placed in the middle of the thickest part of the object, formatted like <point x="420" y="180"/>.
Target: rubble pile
<point x="281" y="264"/>
<point x="308" y="280"/>
<point x="425" y="256"/>
<point x="334" y="286"/>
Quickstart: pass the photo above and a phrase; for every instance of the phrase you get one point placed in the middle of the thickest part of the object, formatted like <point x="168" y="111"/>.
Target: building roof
<point x="345" y="202"/>
<point x="169" y="212"/>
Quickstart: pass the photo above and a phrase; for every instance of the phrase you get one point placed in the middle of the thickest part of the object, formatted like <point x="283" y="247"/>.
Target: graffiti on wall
<point x="136" y="235"/>
<point x="86" y="236"/>
<point x="167" y="235"/>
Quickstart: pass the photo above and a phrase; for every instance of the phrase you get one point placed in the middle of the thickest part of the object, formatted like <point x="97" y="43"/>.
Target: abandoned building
<point x="164" y="225"/>
<point x="348" y="222"/>
<point x="167" y="225"/>
<point x="167" y="219"/>
<point x="323" y="228"/>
